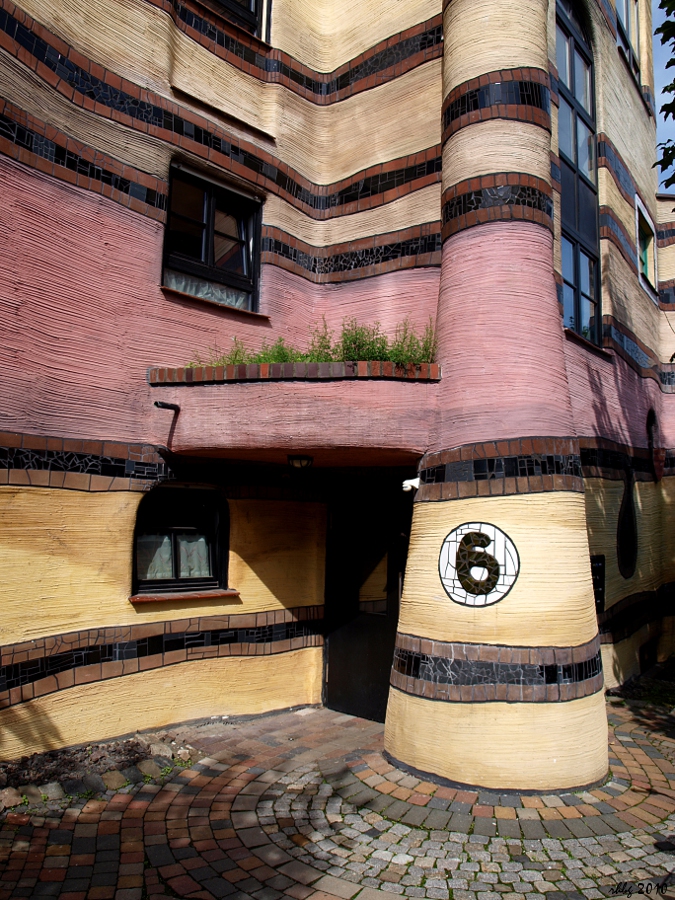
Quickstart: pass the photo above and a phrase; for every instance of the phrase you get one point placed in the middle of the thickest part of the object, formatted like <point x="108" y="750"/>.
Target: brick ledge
<point x="426" y="372"/>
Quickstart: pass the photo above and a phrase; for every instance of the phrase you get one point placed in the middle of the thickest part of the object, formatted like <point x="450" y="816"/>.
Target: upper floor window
<point x="579" y="200"/>
<point x="181" y="541"/>
<point x="627" y="33"/>
<point x="211" y="243"/>
<point x="646" y="249"/>
<point x="246" y="13"/>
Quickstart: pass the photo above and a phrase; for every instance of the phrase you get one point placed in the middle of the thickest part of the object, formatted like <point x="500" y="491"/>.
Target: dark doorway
<point x="369" y="520"/>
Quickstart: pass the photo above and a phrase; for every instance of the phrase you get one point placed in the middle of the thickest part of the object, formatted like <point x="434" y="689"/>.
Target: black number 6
<point x="469" y="557"/>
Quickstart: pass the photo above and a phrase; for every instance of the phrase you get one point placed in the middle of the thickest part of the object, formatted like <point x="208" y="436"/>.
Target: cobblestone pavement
<point x="304" y="805"/>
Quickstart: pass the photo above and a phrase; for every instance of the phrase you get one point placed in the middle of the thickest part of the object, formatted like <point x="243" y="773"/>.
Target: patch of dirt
<point x="72" y="762"/>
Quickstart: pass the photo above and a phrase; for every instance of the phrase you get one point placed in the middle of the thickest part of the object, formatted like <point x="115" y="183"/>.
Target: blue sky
<point x="665" y="130"/>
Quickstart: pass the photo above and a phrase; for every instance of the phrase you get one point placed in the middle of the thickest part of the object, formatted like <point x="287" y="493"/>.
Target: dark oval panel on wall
<point x="626" y="530"/>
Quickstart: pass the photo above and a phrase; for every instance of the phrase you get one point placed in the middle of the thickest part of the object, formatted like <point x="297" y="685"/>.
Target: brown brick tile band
<point x="531" y="465"/>
<point x="32" y="460"/>
<point x="47" y="665"/>
<point x="481" y="673"/>
<point x="501" y="196"/>
<point x="522" y="95"/>
<point x="294" y="371"/>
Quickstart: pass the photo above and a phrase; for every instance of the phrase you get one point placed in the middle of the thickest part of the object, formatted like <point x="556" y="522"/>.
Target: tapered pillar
<point x="497" y="676"/>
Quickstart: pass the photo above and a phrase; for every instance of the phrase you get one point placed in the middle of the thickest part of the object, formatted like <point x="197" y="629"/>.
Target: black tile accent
<point x="41" y="146"/>
<point x="611" y="160"/>
<point x="667" y="295"/>
<point x="616" y="459"/>
<point x="598" y="575"/>
<point x="375" y="64"/>
<point x="19" y="674"/>
<point x="519" y="93"/>
<point x="504" y="195"/>
<point x="356" y="259"/>
<point x="82" y="463"/>
<point x="442" y="670"/>
<point x="503" y="467"/>
<point x="150" y="114"/>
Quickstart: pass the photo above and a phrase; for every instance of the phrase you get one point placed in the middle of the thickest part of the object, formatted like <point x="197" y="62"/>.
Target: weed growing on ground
<point x="355" y="342"/>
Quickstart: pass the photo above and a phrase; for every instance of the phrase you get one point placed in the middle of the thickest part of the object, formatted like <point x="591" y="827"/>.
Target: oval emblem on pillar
<point x="478" y="564"/>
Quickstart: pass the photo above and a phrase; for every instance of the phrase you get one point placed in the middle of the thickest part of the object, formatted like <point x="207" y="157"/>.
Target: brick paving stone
<point x="263" y="819"/>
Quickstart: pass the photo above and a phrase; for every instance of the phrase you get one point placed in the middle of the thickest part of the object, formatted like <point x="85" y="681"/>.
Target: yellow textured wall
<point x="277" y="553"/>
<point x="415" y="208"/>
<point x="526" y="746"/>
<point x="497" y="146"/>
<point x="134" y="39"/>
<point x="551" y="603"/>
<point x="227" y="686"/>
<point x="621" y="661"/>
<point x="654" y="508"/>
<point x="66" y="559"/>
<point x="483" y="36"/>
<point x="324" y="34"/>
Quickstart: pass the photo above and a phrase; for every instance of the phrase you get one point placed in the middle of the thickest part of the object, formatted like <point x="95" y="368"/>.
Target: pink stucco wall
<point x="83" y="316"/>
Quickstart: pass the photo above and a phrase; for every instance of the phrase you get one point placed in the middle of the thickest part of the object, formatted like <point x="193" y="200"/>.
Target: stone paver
<point x="304" y="805"/>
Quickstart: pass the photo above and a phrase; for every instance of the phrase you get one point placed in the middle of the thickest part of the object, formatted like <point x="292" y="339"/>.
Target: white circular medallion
<point x="478" y="564"/>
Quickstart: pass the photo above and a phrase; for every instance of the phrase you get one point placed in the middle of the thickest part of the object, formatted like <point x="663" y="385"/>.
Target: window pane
<point x="587" y="323"/>
<point x="586" y="275"/>
<point x="621" y="13"/>
<point x="186" y="238"/>
<point x="569" y="319"/>
<point x="193" y="556"/>
<point x="645" y="249"/>
<point x="634" y="32"/>
<point x="153" y="557"/>
<point x="229" y="254"/>
<point x="588" y="213"/>
<point x="563" y="56"/>
<point x="188" y="200"/>
<point x="568" y="261"/>
<point x="582" y="82"/>
<point x="228" y="225"/>
<point x="566" y="130"/>
<point x="568" y="198"/>
<point x="585" y="156"/>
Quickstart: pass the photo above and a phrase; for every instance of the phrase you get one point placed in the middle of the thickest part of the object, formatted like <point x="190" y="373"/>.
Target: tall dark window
<point x="627" y="12"/>
<point x="181" y="541"/>
<point x="576" y="139"/>
<point x="211" y="243"/>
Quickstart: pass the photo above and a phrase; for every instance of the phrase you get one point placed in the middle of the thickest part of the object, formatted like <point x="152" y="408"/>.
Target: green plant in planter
<point x="356" y="342"/>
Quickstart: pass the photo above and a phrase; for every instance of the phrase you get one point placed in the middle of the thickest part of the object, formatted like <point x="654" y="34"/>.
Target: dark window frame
<point x="645" y="226"/>
<point x="625" y="42"/>
<point x="571" y="169"/>
<point x="161" y="511"/>
<point x="250" y="19"/>
<point x="247" y="210"/>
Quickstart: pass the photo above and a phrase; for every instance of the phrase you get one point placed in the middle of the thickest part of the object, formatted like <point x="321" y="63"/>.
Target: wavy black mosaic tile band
<point x="503" y="467"/>
<point x="150" y="114"/>
<point x="616" y="459"/>
<point x="357" y="259"/>
<point x="82" y="463"/>
<point x="46" y="149"/>
<point x="19" y="674"/>
<point x="442" y="670"/>
<point x="376" y="63"/>
<point x="514" y="93"/>
<point x="504" y="195"/>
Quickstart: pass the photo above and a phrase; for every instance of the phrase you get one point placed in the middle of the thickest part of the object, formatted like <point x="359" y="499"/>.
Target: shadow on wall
<point x="25" y="725"/>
